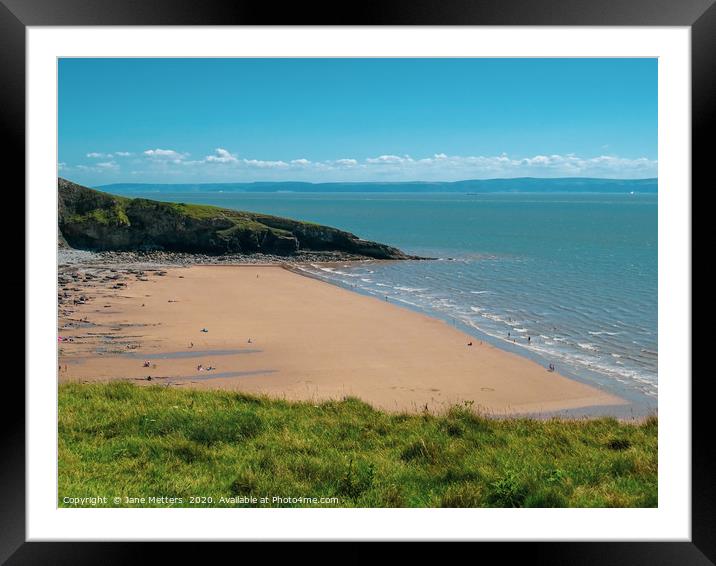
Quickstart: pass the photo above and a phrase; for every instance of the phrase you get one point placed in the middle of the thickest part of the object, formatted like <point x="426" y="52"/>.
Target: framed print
<point x="420" y="275"/>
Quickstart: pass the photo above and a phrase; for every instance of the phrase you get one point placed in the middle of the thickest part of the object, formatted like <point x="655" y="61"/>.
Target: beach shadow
<point x="186" y="354"/>
<point x="221" y="375"/>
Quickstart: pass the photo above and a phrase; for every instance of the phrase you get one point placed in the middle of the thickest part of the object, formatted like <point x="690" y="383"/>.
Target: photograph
<point x="420" y="272"/>
<point x="357" y="282"/>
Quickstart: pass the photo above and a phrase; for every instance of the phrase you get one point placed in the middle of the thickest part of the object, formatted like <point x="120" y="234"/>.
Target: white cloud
<point x="454" y="167"/>
<point x="103" y="167"/>
<point x="223" y="165"/>
<point x="100" y="155"/>
<point x="169" y="154"/>
<point x="260" y="164"/>
<point x="221" y="156"/>
<point x="393" y="159"/>
<point x="346" y="162"/>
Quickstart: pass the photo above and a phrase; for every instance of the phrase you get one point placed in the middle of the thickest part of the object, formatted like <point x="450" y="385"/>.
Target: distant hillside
<point x="94" y="220"/>
<point x="517" y="185"/>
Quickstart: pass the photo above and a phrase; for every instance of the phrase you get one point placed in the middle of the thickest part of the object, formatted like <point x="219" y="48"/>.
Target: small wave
<point x="334" y="271"/>
<point x="587" y="346"/>
<point x="409" y="289"/>
<point x="407" y="302"/>
<point x="492" y="317"/>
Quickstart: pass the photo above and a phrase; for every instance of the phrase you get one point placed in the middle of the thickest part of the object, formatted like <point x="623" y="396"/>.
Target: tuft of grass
<point x="357" y="480"/>
<point x="213" y="448"/>
<point x="619" y="444"/>
<point x="422" y="452"/>
<point x="508" y="491"/>
<point x="462" y="495"/>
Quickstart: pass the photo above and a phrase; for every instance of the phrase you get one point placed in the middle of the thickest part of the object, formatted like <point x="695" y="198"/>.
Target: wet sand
<point x="309" y="340"/>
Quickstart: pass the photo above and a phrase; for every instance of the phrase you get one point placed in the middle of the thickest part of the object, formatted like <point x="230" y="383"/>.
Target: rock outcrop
<point x="92" y="220"/>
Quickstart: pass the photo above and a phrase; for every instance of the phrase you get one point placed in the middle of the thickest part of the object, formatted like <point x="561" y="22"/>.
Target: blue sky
<point x="215" y="120"/>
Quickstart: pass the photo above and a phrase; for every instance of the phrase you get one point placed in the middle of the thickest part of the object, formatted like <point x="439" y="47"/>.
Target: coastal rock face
<point x="93" y="220"/>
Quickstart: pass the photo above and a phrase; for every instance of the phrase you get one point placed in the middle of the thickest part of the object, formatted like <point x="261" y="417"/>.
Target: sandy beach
<point x="268" y="330"/>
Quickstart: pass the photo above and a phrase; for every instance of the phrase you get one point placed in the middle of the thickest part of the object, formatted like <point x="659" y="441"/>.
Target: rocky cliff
<point x="93" y="220"/>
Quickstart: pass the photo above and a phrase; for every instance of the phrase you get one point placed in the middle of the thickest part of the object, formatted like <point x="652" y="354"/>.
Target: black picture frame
<point x="16" y="15"/>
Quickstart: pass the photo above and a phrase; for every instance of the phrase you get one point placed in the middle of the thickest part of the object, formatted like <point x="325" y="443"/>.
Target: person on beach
<point x="469" y="343"/>
<point x="191" y="344"/>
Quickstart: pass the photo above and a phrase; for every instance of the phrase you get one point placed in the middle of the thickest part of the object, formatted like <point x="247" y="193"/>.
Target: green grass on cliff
<point x="241" y="219"/>
<point x="114" y="212"/>
<point x="113" y="209"/>
<point x="197" y="211"/>
<point x="121" y="440"/>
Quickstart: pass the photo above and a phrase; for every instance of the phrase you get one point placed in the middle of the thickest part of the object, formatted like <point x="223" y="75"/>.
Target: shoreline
<point x="636" y="406"/>
<point x="391" y="357"/>
<point x="67" y="257"/>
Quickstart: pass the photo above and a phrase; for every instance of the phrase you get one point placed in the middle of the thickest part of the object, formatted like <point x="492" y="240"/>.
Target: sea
<point x="564" y="279"/>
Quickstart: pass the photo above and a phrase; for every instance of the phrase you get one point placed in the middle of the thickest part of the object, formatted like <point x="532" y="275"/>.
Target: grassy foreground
<point x="223" y="449"/>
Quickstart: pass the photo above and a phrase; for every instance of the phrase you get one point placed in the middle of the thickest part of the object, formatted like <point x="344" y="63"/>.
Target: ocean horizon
<point x="493" y="185"/>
